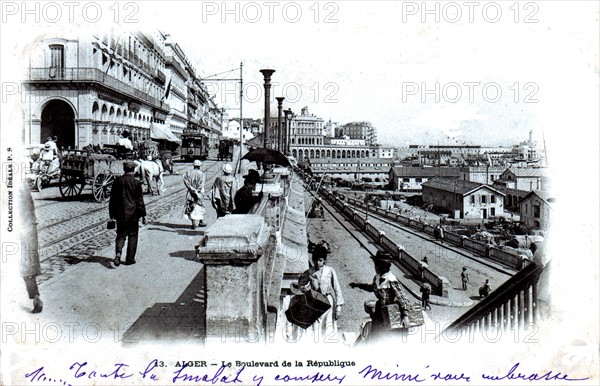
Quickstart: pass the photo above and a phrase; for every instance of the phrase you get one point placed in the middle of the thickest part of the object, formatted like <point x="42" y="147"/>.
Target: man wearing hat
<point x="48" y="158"/>
<point x="194" y="200"/>
<point x="244" y="198"/>
<point x="51" y="141"/>
<point x="223" y="192"/>
<point x="126" y="206"/>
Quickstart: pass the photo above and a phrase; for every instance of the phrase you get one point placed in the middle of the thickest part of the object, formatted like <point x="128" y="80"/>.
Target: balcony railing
<point x="92" y="75"/>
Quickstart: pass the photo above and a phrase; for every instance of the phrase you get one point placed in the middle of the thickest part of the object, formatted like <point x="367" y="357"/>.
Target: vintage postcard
<point x="297" y="192"/>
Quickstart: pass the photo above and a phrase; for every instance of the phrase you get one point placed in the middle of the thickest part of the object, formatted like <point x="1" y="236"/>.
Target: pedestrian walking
<point x="424" y="264"/>
<point x="244" y="197"/>
<point x="425" y="292"/>
<point x="438" y="232"/>
<point x="223" y="192"/>
<point x="464" y="278"/>
<point x="126" y="206"/>
<point x="30" y="259"/>
<point x="194" y="199"/>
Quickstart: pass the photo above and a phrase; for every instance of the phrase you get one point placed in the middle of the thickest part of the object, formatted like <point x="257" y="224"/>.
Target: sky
<point x="478" y="82"/>
<point x="451" y="73"/>
<point x="501" y="69"/>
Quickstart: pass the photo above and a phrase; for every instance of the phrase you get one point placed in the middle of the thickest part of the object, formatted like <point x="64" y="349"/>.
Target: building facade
<point x="411" y="179"/>
<point x="352" y="169"/>
<point x="464" y="199"/>
<point x="305" y="129"/>
<point x="89" y="89"/>
<point x="358" y="130"/>
<point x="525" y="179"/>
<point x="481" y="174"/>
<point x="535" y="210"/>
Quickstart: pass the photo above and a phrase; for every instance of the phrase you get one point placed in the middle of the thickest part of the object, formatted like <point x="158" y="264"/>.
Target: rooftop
<point x="456" y="186"/>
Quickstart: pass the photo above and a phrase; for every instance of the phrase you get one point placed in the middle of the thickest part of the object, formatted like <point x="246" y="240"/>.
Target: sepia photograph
<point x="297" y="192"/>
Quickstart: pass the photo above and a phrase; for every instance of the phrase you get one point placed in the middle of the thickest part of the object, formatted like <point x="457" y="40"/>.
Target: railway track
<point x="96" y="225"/>
<point x="403" y="228"/>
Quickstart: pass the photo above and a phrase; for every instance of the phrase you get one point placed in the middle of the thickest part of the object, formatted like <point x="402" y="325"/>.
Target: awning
<point x="161" y="131"/>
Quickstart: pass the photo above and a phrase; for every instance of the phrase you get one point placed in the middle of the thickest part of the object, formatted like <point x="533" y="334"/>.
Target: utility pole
<point x="241" y="80"/>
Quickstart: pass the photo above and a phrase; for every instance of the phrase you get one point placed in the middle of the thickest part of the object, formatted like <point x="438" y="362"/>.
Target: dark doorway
<point x="58" y="119"/>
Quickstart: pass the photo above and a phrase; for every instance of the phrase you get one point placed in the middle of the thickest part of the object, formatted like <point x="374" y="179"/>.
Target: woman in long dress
<point x="323" y="278"/>
<point x="194" y="200"/>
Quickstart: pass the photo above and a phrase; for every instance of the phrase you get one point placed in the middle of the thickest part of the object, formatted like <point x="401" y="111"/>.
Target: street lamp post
<point x="286" y="132"/>
<point x="267" y="78"/>
<point x="278" y="136"/>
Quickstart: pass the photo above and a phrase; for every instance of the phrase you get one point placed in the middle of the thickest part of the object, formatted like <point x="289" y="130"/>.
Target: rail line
<point x="420" y="235"/>
<point x="168" y="198"/>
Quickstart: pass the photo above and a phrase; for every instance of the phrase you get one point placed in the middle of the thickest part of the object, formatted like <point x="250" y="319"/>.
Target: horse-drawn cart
<point x="84" y="168"/>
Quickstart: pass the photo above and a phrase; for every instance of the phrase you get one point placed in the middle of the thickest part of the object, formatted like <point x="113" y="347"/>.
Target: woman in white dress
<point x="322" y="278"/>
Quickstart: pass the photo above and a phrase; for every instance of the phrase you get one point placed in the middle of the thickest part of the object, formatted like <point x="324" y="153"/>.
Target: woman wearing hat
<point x="323" y="278"/>
<point x="387" y="289"/>
<point x="194" y="200"/>
<point x="244" y="198"/>
<point x="223" y="192"/>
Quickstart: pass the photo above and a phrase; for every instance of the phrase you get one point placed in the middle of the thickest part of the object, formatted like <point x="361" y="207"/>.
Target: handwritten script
<point x="156" y="370"/>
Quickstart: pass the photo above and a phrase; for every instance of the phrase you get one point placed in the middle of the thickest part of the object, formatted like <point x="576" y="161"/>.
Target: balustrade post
<point x="232" y="253"/>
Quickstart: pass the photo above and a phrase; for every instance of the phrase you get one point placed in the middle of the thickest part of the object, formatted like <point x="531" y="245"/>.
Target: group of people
<point x="225" y="196"/>
<point x="126" y="205"/>
<point x="388" y="292"/>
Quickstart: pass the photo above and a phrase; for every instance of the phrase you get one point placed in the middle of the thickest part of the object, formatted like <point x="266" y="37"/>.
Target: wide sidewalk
<point x="160" y="296"/>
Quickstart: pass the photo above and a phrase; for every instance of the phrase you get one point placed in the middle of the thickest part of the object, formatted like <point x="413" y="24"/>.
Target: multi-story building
<point x="525" y="179"/>
<point x="482" y="174"/>
<point x="89" y="89"/>
<point x="305" y="129"/>
<point x="358" y="130"/>
<point x="329" y="128"/>
<point x="463" y="199"/>
<point x="535" y="209"/>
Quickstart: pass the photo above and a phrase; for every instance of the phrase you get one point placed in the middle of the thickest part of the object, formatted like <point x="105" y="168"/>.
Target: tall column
<point x="279" y="129"/>
<point x="286" y="131"/>
<point x="267" y="76"/>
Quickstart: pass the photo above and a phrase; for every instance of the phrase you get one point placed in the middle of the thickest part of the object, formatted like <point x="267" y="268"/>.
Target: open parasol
<point x="267" y="156"/>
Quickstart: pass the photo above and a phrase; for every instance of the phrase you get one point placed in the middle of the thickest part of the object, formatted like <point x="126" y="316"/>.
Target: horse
<point x="151" y="170"/>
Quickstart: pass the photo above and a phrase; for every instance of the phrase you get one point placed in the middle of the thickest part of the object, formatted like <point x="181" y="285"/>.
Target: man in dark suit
<point x="126" y="206"/>
<point x="244" y="198"/>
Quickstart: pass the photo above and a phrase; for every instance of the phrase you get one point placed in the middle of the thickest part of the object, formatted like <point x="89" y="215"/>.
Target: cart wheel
<point x="70" y="186"/>
<point x="103" y="185"/>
